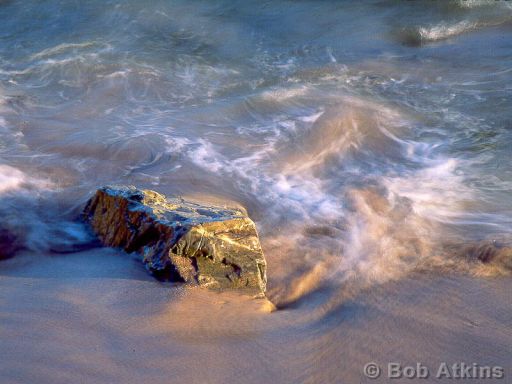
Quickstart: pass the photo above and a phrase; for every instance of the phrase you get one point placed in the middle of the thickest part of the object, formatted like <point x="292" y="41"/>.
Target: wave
<point x="61" y="48"/>
<point x="334" y="187"/>
<point x="444" y="31"/>
<point x="481" y="3"/>
<point x="14" y="180"/>
<point x="476" y="15"/>
<point x="31" y="218"/>
<point x="417" y="36"/>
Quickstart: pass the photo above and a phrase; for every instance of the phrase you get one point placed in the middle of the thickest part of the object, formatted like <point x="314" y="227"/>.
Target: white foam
<point x="437" y="192"/>
<point x="61" y="48"/>
<point x="477" y="3"/>
<point x="444" y="31"/>
<point x="290" y="192"/>
<point x="36" y="227"/>
<point x="207" y="157"/>
<point x="283" y="94"/>
<point x="312" y="118"/>
<point x="14" y="182"/>
<point x="11" y="178"/>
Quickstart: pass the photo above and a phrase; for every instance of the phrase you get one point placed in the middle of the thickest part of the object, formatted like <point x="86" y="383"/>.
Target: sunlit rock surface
<point x="179" y="240"/>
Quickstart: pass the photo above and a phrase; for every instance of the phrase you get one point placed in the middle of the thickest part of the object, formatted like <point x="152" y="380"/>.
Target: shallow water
<point x="366" y="139"/>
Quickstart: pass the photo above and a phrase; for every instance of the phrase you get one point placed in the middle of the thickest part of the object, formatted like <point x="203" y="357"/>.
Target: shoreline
<point x="97" y="316"/>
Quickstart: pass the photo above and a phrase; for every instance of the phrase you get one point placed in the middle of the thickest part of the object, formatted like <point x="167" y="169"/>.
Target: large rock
<point x="180" y="240"/>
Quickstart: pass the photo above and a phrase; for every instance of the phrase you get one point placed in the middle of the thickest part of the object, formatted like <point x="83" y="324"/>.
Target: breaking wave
<point x="339" y="194"/>
<point x="30" y="219"/>
<point x="358" y="157"/>
<point x="456" y="18"/>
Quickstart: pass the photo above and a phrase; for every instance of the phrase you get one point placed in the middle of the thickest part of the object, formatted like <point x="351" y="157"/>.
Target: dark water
<point x="362" y="137"/>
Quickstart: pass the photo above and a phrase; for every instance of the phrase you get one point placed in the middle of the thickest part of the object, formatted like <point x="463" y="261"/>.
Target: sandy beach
<point x="97" y="317"/>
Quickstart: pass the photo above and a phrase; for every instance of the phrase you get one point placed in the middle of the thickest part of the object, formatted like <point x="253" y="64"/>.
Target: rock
<point x="179" y="240"/>
<point x="9" y="244"/>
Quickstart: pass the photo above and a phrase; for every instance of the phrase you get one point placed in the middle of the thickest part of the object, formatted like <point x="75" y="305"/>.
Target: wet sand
<point x="97" y="317"/>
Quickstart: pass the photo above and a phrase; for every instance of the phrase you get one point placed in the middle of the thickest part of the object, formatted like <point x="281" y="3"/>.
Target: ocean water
<point x="366" y="139"/>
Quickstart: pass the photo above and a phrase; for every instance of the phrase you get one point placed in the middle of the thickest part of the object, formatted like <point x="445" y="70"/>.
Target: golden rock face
<point x="179" y="240"/>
